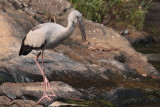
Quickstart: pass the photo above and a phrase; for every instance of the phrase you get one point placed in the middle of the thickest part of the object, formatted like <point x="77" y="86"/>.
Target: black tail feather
<point x="25" y="49"/>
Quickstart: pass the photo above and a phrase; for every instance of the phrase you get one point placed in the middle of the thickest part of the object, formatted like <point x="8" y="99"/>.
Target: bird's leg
<point x="42" y="66"/>
<point x="45" y="79"/>
<point x="42" y="61"/>
<point x="48" y="87"/>
<point x="36" y="60"/>
<point x="46" y="82"/>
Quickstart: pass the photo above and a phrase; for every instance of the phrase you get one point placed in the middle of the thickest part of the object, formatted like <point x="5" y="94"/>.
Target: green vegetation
<point x="92" y="9"/>
<point x="130" y="12"/>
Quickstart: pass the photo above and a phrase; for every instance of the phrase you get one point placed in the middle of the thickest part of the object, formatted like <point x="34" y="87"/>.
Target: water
<point x="152" y="51"/>
<point x="143" y="105"/>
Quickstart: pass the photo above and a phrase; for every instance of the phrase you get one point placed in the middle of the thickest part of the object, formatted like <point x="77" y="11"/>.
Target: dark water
<point x="156" y="64"/>
<point x="152" y="49"/>
<point x="148" y="48"/>
<point x="143" y="105"/>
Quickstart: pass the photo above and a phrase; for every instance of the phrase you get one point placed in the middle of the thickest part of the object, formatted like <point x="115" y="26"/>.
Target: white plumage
<point x="49" y="35"/>
<point x="48" y="32"/>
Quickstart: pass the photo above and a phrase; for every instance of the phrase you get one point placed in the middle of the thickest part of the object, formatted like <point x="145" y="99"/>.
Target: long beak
<point x="81" y="27"/>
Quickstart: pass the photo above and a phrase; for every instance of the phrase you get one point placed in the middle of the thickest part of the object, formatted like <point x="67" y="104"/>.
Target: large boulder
<point x="30" y="91"/>
<point x="5" y="101"/>
<point x="107" y="62"/>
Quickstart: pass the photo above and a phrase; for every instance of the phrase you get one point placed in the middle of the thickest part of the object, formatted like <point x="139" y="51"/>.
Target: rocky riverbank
<point x="107" y="70"/>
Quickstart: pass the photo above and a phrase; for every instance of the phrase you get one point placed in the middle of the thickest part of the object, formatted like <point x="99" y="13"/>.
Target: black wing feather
<point x="25" y="49"/>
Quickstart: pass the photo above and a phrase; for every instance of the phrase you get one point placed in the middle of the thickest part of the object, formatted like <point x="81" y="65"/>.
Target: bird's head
<point x="75" y="17"/>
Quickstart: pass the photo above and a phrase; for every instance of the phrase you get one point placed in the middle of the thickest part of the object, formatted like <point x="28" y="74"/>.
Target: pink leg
<point x="45" y="78"/>
<point x="42" y="60"/>
<point x="46" y="82"/>
<point x="42" y="66"/>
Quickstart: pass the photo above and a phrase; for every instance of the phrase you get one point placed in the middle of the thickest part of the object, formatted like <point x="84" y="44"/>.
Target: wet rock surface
<point x="94" y="71"/>
<point x="30" y="91"/>
<point x="61" y="104"/>
<point x="122" y="96"/>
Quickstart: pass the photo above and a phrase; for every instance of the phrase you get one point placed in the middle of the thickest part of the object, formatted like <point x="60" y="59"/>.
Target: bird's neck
<point x="69" y="28"/>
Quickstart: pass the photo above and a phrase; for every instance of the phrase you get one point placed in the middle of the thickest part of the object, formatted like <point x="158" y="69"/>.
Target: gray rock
<point x="94" y="68"/>
<point x="6" y="6"/>
<point x="134" y="61"/>
<point x="35" y="90"/>
<point x="16" y="4"/>
<point x="124" y="32"/>
<point x="61" y="104"/>
<point x="30" y="12"/>
<point x="5" y="101"/>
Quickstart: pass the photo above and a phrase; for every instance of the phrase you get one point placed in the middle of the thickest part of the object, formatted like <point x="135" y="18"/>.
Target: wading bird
<point x="48" y="36"/>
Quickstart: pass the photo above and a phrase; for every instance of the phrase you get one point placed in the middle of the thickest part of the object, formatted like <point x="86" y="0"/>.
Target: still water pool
<point x="152" y="51"/>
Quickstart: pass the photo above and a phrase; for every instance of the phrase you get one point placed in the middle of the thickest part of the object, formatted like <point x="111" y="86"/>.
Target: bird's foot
<point x="44" y="96"/>
<point x="47" y="87"/>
